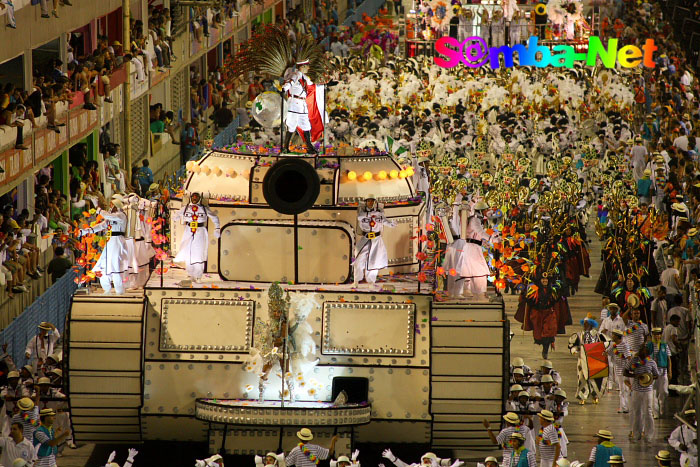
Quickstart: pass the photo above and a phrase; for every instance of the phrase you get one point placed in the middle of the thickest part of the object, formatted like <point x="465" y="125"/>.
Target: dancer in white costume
<point x="195" y="239"/>
<point x="113" y="261"/>
<point x="473" y="267"/>
<point x="295" y="87"/>
<point x="371" y="254"/>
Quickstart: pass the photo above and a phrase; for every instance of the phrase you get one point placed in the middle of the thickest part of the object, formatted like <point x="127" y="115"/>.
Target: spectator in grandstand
<point x="145" y="176"/>
<point x="59" y="264"/>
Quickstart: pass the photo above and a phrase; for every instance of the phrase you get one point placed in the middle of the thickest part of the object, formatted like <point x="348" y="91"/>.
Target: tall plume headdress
<point x="272" y="53"/>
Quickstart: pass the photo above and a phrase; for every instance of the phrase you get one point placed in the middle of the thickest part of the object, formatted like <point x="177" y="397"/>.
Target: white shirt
<point x="38" y="348"/>
<point x="669" y="331"/>
<point x="11" y="450"/>
<point x="668" y="280"/>
<point x="609" y="325"/>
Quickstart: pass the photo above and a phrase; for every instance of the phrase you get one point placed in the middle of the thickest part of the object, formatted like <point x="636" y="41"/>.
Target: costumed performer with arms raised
<point x="371" y="255"/>
<point x="113" y="261"/>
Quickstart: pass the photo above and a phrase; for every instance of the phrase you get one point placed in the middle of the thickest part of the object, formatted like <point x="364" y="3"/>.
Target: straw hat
<point x="516" y="387"/>
<point x="692" y="232"/>
<point x="605" y="434"/>
<point x="546" y="415"/>
<point x="561" y="462"/>
<point x="45" y="325"/>
<point x="518" y="361"/>
<point x="45" y="412"/>
<point x="618" y="332"/>
<point x="44" y="380"/>
<point x="13" y="374"/>
<point x="547" y="379"/>
<point x="523" y="394"/>
<point x="518" y="436"/>
<point x="633" y="301"/>
<point x="343" y="459"/>
<point x="645" y="379"/>
<point x="518" y="371"/>
<point x="547" y="364"/>
<point x="689" y="412"/>
<point x="511" y="417"/>
<point x="560" y="392"/>
<point x="663" y="456"/>
<point x="25" y="404"/>
<point x="616" y="460"/>
<point x="305" y="434"/>
<point x="481" y="204"/>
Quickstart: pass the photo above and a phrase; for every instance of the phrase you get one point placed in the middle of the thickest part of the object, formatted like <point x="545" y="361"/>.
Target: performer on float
<point x="589" y="335"/>
<point x="140" y="211"/>
<point x="296" y="86"/>
<point x="195" y="240"/>
<point x="371" y="255"/>
<point x="113" y="261"/>
<point x="270" y="460"/>
<point x="473" y="267"/>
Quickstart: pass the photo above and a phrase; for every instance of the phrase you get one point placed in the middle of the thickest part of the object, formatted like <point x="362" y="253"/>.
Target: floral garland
<point x="617" y="353"/>
<point x="26" y="418"/>
<point x="307" y="452"/>
<point x="632" y="329"/>
<point x="639" y="362"/>
<point x="546" y="442"/>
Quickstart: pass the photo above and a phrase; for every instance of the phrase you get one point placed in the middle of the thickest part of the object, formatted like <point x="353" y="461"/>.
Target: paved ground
<point x="580" y="425"/>
<point x="584" y="421"/>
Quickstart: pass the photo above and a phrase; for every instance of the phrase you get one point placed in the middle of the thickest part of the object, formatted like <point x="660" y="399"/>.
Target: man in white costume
<point x="297" y="116"/>
<point x="113" y="261"/>
<point x="371" y="254"/>
<point x="41" y="346"/>
<point x="684" y="440"/>
<point x="195" y="238"/>
<point x="473" y="267"/>
<point x="140" y="210"/>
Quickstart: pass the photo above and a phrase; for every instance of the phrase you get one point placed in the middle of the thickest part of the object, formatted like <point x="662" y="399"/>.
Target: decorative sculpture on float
<point x="285" y="344"/>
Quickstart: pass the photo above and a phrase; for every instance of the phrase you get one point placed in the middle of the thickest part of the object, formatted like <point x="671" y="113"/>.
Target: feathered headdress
<point x="272" y="53"/>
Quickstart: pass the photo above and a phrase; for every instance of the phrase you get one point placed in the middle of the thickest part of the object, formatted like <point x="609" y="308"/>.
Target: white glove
<point x="389" y="455"/>
<point x="333" y="463"/>
<point x="258" y="461"/>
<point x="457" y="463"/>
<point x="355" y="453"/>
<point x="111" y="457"/>
<point x="217" y="233"/>
<point x="132" y="454"/>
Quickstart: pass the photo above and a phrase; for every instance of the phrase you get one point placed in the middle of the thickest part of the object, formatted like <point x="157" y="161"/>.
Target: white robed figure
<point x="195" y="238"/>
<point x="472" y="267"/>
<point x="143" y="248"/>
<point x="113" y="262"/>
<point x="370" y="255"/>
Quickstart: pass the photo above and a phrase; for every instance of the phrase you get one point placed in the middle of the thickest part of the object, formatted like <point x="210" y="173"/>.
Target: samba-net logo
<point x="474" y="53"/>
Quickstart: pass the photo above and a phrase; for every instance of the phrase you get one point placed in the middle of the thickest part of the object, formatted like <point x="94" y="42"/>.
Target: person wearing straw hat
<point x="548" y="440"/>
<point x="664" y="458"/>
<point x="16" y="446"/>
<point x="618" y="354"/>
<point x="27" y="414"/>
<point x="370" y="254"/>
<point x="547" y="369"/>
<point x="271" y="459"/>
<point x="513" y="424"/>
<point x="42" y="345"/>
<point x="636" y="332"/>
<point x="643" y="370"/>
<point x="46" y="439"/>
<point x="518" y="362"/>
<point x="644" y="185"/>
<point x="11" y="393"/>
<point x="519" y="455"/>
<point x="604" y="450"/>
<point x="558" y="405"/>
<point x="659" y="351"/>
<point x="113" y="262"/>
<point x="684" y="440"/>
<point x="305" y="454"/>
<point x="489" y="462"/>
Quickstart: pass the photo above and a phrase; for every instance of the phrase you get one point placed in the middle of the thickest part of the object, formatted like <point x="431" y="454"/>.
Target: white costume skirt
<point x="114" y="259"/>
<point x="376" y="253"/>
<point x="472" y="262"/>
<point x="193" y="248"/>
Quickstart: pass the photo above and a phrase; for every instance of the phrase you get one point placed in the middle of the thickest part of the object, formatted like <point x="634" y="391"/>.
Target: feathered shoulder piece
<point x="272" y="53"/>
